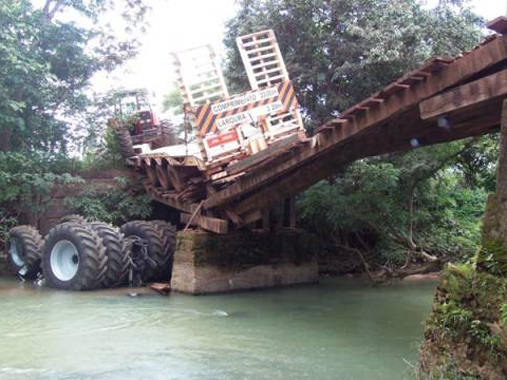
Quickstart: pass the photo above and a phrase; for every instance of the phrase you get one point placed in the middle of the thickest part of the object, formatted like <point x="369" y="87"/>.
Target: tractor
<point x="144" y="128"/>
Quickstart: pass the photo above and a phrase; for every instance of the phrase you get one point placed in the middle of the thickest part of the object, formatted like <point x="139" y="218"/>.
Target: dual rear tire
<point x="25" y="251"/>
<point x="158" y="239"/>
<point x="74" y="257"/>
<point x="81" y="255"/>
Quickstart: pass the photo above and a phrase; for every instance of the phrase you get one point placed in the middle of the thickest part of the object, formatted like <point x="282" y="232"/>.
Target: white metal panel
<point x="262" y="59"/>
<point x="199" y="76"/>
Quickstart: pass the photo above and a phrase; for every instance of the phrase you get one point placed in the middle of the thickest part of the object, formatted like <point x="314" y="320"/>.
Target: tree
<point x="339" y="52"/>
<point x="402" y="207"/>
<point x="46" y="63"/>
<point x="173" y="102"/>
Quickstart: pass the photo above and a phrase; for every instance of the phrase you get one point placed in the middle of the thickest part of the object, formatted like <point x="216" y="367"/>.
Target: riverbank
<point x="466" y="334"/>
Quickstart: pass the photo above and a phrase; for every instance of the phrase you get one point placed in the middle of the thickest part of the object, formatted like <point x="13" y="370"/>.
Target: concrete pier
<point x="207" y="263"/>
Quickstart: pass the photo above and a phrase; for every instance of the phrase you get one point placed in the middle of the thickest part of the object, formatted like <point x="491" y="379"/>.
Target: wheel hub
<point x="64" y="260"/>
<point x="15" y="253"/>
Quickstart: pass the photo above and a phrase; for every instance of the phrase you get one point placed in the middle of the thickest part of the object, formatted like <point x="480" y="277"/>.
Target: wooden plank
<point x="152" y="175"/>
<point x="265" y="218"/>
<point x="484" y="89"/>
<point x="251" y="216"/>
<point x="170" y="201"/>
<point x="331" y="124"/>
<point x="262" y="155"/>
<point x="163" y="177"/>
<point x="498" y="25"/>
<point x="193" y="216"/>
<point x="289" y="211"/>
<point x="218" y="226"/>
<point x="175" y="178"/>
<point x="233" y="216"/>
<point x="481" y="58"/>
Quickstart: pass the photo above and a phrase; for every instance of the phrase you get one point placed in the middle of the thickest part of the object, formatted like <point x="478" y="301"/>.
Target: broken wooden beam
<point x="467" y="95"/>
<point x="261" y="156"/>
<point x="218" y="226"/>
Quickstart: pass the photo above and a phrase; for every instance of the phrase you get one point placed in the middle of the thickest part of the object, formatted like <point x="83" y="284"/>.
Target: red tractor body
<point x="147" y="129"/>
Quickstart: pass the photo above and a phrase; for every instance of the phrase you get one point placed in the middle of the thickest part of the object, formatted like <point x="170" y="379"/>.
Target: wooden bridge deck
<point x="467" y="91"/>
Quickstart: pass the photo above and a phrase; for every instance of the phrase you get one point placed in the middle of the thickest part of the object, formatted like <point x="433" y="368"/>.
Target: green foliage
<point x="339" y="52"/>
<point x="26" y="180"/>
<point x="466" y="329"/>
<point x="503" y="310"/>
<point x="478" y="164"/>
<point x="26" y="183"/>
<point x="115" y="205"/>
<point x="448" y="371"/>
<point x="46" y="64"/>
<point x="408" y="202"/>
<point x="173" y="101"/>
<point x="7" y="221"/>
<point x="107" y="155"/>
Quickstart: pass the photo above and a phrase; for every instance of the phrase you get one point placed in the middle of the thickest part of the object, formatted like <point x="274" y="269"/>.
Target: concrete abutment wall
<point x="206" y="263"/>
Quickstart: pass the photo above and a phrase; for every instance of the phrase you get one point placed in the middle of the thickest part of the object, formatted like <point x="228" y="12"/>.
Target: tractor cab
<point x="144" y="126"/>
<point x="134" y="103"/>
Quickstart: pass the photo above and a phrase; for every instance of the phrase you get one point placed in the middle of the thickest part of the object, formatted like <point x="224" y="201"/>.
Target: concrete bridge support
<point x="208" y="263"/>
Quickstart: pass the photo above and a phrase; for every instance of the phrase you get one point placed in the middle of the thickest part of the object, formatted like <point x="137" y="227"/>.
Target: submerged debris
<point x="163" y="289"/>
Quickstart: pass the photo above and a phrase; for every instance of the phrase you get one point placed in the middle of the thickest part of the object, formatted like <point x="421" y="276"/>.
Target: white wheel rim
<point x="64" y="260"/>
<point x="15" y="252"/>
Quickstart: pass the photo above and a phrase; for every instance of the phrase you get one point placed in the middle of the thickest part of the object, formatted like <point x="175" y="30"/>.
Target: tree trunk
<point x="492" y="256"/>
<point x="5" y="138"/>
<point x="501" y="175"/>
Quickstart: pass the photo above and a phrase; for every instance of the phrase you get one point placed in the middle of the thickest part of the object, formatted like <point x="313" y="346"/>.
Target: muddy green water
<point x="335" y="330"/>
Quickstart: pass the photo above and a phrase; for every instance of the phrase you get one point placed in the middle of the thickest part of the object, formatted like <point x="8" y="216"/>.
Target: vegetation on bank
<point x="115" y="205"/>
<point x="466" y="334"/>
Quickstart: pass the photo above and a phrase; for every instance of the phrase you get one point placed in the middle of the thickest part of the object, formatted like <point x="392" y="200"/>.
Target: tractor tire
<point x="167" y="136"/>
<point x="74" y="257"/>
<point x="169" y="232"/>
<point x="155" y="243"/>
<point x="72" y="218"/>
<point x="25" y="251"/>
<point x="125" y="142"/>
<point x="118" y="263"/>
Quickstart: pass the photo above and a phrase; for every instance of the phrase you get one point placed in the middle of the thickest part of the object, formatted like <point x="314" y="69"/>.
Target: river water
<point x="335" y="330"/>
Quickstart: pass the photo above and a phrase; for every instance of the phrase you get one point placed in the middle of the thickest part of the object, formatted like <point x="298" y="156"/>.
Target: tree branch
<point x="50" y="13"/>
<point x="360" y="254"/>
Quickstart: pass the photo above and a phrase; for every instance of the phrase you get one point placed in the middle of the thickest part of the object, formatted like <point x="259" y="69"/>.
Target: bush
<point x="115" y="205"/>
<point x="26" y="183"/>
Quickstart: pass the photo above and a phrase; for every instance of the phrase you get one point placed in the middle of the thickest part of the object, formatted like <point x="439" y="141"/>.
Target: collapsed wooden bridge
<point x="446" y="99"/>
